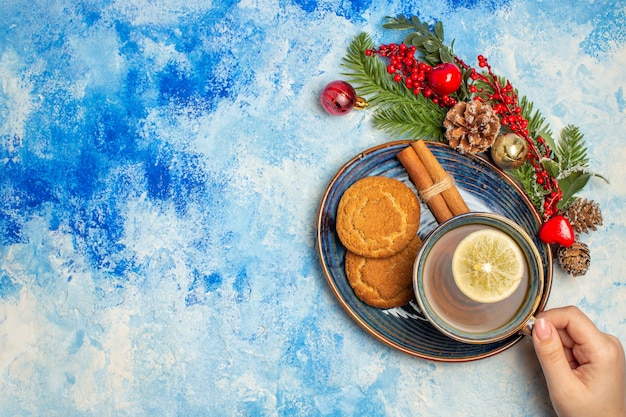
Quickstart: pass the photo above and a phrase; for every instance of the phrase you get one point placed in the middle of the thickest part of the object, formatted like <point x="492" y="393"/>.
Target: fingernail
<point x="542" y="329"/>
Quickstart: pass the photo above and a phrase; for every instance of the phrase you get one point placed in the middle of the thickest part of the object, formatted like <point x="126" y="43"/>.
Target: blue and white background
<point x="161" y="166"/>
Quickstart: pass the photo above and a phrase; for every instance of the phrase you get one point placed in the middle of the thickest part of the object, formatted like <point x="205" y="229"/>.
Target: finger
<point x="570" y="356"/>
<point x="568" y="346"/>
<point x="557" y="367"/>
<point x="566" y="339"/>
<point x="574" y="327"/>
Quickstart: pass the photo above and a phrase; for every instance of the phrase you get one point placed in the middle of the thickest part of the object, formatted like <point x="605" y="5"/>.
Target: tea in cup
<point x="451" y="307"/>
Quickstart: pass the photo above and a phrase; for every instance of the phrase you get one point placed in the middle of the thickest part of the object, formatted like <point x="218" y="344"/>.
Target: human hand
<point x="583" y="367"/>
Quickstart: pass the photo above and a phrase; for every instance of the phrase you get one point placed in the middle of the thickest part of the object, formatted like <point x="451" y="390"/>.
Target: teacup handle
<point x="527" y="329"/>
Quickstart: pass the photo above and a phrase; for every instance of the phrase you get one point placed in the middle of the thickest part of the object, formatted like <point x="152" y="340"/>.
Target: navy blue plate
<point x="484" y="188"/>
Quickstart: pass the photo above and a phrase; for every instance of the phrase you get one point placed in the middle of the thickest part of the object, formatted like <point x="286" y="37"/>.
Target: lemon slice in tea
<point x="488" y="265"/>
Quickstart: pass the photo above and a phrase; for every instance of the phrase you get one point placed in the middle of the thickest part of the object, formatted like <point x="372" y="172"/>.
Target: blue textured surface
<point x="161" y="166"/>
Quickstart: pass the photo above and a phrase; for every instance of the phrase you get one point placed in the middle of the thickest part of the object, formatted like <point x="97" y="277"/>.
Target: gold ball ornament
<point x="509" y="151"/>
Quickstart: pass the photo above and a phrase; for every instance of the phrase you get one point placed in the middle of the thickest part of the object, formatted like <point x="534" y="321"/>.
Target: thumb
<point x="550" y="353"/>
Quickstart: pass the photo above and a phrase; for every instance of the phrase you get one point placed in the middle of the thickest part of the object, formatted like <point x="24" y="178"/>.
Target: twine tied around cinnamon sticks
<point x="435" y="186"/>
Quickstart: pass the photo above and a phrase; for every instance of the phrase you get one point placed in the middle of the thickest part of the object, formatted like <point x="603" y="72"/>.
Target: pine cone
<point x="575" y="259"/>
<point x="584" y="215"/>
<point x="471" y="126"/>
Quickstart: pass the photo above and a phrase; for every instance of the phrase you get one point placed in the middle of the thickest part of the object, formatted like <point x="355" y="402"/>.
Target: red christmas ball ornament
<point x="338" y="98"/>
<point x="445" y="78"/>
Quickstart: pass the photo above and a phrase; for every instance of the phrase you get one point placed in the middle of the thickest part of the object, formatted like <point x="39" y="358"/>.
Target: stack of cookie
<point x="377" y="221"/>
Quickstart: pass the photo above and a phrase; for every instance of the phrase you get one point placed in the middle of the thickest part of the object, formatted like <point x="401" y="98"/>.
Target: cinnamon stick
<point x="451" y="194"/>
<point x="422" y="180"/>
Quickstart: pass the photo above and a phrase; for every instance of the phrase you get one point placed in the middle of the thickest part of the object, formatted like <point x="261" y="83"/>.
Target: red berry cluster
<point x="504" y="101"/>
<point x="406" y="68"/>
<point x="553" y="191"/>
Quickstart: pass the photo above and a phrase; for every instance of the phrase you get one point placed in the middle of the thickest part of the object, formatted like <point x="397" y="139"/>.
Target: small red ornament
<point x="557" y="230"/>
<point x="338" y="98"/>
<point x="445" y="78"/>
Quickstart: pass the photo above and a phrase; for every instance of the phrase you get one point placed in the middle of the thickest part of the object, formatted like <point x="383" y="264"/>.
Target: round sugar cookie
<point x="377" y="217"/>
<point x="383" y="282"/>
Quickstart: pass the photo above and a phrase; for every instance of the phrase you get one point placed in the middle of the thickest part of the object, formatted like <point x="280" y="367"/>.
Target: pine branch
<point x="397" y="110"/>
<point x="573" y="162"/>
<point x="413" y="121"/>
<point x="526" y="176"/>
<point x="537" y="125"/>
<point x="571" y="150"/>
<point x="369" y="76"/>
